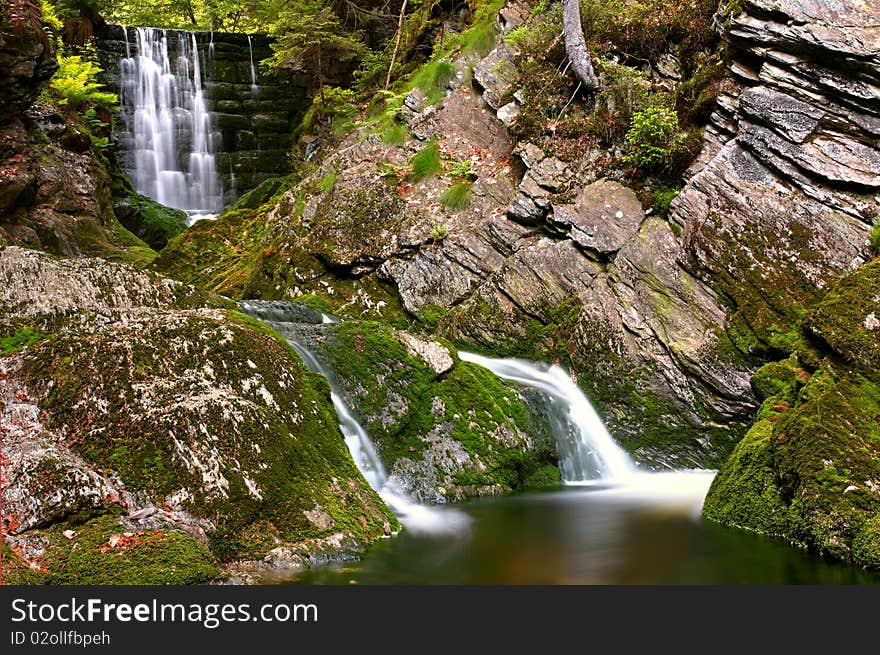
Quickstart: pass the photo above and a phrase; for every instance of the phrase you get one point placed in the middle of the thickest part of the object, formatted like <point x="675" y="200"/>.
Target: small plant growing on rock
<point x="652" y="136"/>
<point x="457" y="197"/>
<point x="439" y="232"/>
<point x="426" y="162"/>
<point x="463" y="169"/>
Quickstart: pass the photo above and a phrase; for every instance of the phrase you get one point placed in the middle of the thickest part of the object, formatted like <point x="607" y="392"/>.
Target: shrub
<point x="439" y="232"/>
<point x="457" y="197"/>
<point x="652" y="136"/>
<point x="426" y="162"/>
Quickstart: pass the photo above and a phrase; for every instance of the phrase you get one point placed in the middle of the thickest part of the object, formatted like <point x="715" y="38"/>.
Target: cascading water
<point x="255" y="89"/>
<point x="168" y="144"/>
<point x="586" y="450"/>
<point x="415" y="517"/>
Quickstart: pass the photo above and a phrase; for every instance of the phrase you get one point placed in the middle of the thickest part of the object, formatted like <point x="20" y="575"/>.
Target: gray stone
<point x="508" y="113"/>
<point x="603" y="217"/>
<point x="496" y="73"/>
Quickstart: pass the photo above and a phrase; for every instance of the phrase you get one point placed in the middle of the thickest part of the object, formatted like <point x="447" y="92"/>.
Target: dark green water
<point x="584" y="536"/>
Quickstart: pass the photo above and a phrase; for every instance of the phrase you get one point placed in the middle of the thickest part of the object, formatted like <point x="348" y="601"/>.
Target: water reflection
<point x="587" y="536"/>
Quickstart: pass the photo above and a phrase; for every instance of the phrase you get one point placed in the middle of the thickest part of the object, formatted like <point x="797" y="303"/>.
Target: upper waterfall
<point x="171" y="146"/>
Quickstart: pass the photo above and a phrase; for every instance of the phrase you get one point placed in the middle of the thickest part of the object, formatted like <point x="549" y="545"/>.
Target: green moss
<point x="875" y="237"/>
<point x="845" y="321"/>
<point x="144" y="558"/>
<point x="432" y="79"/>
<point x="866" y="545"/>
<point x="401" y="401"/>
<point x="16" y="571"/>
<point x="262" y="193"/>
<point x="21" y="338"/>
<point x="290" y="448"/>
<point x="744" y="493"/>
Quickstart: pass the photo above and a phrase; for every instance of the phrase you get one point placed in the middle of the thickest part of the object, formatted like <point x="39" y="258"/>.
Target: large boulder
<point x="140" y="405"/>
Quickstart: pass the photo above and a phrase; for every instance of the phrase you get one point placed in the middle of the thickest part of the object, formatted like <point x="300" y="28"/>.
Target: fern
<point x="75" y="84"/>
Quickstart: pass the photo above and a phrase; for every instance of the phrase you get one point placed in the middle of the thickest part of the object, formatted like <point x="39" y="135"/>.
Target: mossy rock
<point x="150" y="221"/>
<point x="413" y="413"/>
<point x="214" y="408"/>
<point x="744" y="493"/>
<point x="810" y="472"/>
<point x="102" y="552"/>
<point x="847" y="320"/>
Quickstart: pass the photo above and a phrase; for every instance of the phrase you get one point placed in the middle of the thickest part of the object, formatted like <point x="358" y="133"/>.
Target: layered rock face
<point x="135" y="406"/>
<point x="661" y="321"/>
<point x="783" y="207"/>
<point x="787" y="191"/>
<point x="253" y="120"/>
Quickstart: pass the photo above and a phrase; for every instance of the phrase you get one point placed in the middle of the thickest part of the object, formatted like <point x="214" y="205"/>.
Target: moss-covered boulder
<point x="445" y="429"/>
<point x="151" y="411"/>
<point x="809" y="469"/>
<point x="144" y="217"/>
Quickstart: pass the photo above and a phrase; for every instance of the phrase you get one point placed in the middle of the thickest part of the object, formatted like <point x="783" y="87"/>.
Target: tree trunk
<point x="576" y="45"/>
<point x="396" y="43"/>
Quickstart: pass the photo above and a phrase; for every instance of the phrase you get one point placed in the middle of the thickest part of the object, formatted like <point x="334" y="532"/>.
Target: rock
<point x="508" y="113"/>
<point x="669" y="66"/>
<point x="140" y="514"/>
<point x="496" y="73"/>
<point x="69" y="534"/>
<point x="604" y="216"/>
<point x="436" y="356"/>
<point x="226" y="407"/>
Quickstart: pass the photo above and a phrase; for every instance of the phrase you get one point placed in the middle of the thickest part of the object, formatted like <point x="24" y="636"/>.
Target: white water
<point x="415" y="517"/>
<point x="586" y="450"/>
<point x="168" y="144"/>
<point x="255" y="89"/>
<point x="588" y="455"/>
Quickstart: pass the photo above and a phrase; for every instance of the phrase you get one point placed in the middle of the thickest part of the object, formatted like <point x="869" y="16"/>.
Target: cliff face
<point x="783" y="206"/>
<point x="662" y="320"/>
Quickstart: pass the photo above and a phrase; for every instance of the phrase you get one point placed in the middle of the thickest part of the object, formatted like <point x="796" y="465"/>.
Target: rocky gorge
<point x="734" y="329"/>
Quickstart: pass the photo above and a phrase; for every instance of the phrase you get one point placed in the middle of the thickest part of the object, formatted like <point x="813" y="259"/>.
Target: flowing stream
<point x="168" y="143"/>
<point x="610" y="524"/>
<point x="414" y="517"/>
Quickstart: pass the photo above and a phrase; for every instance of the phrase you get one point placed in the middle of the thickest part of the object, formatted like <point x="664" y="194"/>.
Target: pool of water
<point x="646" y="532"/>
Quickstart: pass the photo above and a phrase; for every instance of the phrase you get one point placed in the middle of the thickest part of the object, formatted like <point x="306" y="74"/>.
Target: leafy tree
<point x="311" y="40"/>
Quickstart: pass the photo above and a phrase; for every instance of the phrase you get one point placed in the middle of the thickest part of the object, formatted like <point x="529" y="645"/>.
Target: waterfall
<point x="170" y="153"/>
<point x="586" y="450"/>
<point x="284" y="318"/>
<point x="254" y="87"/>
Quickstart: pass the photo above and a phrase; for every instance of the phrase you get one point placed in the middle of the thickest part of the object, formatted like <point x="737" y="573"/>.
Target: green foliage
<point x="426" y="162"/>
<point x="463" y="169"/>
<point x="652" y="136"/>
<point x="333" y="109"/>
<point x="662" y="198"/>
<point x="875" y="237"/>
<point x="457" y="197"/>
<point x="395" y="134"/>
<point x="75" y="84"/>
<point x="440" y="232"/>
<point x="433" y="78"/>
<point x="21" y="338"/>
<point x="312" y="38"/>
